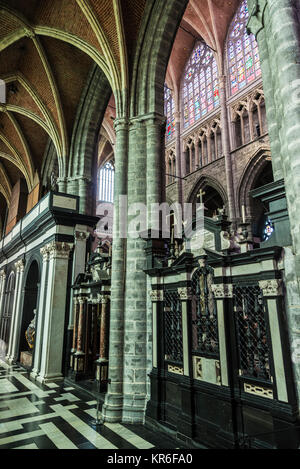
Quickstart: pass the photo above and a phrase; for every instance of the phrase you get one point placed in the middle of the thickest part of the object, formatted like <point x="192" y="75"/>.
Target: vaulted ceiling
<point x="47" y="48"/>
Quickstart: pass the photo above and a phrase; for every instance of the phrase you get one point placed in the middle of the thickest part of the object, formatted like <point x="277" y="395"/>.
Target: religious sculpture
<point x="53" y="182"/>
<point x="30" y="332"/>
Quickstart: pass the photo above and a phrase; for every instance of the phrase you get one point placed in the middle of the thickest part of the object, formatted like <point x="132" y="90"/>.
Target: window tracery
<point x="242" y="52"/>
<point x="249" y="118"/>
<point x="200" y="90"/>
<point x="106" y="182"/>
<point x="169" y="106"/>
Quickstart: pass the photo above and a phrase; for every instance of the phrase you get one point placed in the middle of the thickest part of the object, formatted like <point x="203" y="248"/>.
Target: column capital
<point x="59" y="250"/>
<point x="20" y="265"/>
<point x="222" y="290"/>
<point x="121" y="124"/>
<point x="185" y="293"/>
<point x="82" y="300"/>
<point x="156" y="295"/>
<point x="152" y="118"/>
<point x="81" y="235"/>
<point x="104" y="299"/>
<point x="271" y="287"/>
<point x="2" y="274"/>
<point x="45" y="253"/>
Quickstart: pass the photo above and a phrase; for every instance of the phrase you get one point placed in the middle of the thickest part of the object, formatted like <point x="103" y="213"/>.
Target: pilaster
<point x="54" y="312"/>
<point x="16" y="324"/>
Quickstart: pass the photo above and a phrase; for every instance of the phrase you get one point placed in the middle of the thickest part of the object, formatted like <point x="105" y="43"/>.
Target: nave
<point x="58" y="416"/>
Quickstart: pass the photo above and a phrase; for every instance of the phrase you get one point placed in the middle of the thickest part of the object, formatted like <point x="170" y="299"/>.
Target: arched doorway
<point x="29" y="315"/>
<point x="211" y="196"/>
<point x="259" y="219"/>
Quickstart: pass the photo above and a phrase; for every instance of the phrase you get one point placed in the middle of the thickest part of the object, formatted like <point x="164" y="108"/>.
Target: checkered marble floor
<point x="58" y="416"/>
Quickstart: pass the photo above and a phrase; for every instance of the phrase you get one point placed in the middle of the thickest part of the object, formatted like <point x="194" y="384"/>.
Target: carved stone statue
<point x="30" y="332"/>
<point x="53" y="182"/>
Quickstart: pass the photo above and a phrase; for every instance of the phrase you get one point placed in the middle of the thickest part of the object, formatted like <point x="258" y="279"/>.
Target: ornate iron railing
<point x="173" y="327"/>
<point x="204" y="313"/>
<point x="253" y="348"/>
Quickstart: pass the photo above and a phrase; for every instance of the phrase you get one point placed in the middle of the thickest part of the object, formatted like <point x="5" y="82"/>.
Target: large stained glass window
<point x="106" y="183"/>
<point x="200" y="91"/>
<point x="242" y="52"/>
<point x="169" y="113"/>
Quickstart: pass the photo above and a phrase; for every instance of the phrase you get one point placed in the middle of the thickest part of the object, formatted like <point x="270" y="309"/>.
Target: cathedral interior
<point x="110" y="105"/>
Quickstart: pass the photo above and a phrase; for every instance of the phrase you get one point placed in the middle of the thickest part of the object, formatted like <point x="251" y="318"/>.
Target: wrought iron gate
<point x="252" y="338"/>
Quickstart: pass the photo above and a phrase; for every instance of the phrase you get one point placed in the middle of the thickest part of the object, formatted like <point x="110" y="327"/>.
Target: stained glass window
<point x="169" y="113"/>
<point x="268" y="229"/>
<point x="200" y="91"/>
<point x="242" y="52"/>
<point x="106" y="183"/>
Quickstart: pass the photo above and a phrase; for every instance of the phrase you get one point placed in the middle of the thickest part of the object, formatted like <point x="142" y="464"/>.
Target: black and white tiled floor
<point x="58" y="416"/>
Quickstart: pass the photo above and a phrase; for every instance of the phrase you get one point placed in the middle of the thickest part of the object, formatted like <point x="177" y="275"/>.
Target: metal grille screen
<point x="252" y="340"/>
<point x="173" y="327"/>
<point x="204" y="313"/>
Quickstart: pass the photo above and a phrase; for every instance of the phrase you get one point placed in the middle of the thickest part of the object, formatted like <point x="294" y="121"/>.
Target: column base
<point x="34" y="374"/>
<point x="49" y="378"/>
<point x="10" y="360"/>
<point x="112" y="408"/>
<point x="134" y="408"/>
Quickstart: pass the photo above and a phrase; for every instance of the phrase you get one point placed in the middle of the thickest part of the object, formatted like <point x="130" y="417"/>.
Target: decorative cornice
<point x="222" y="290"/>
<point x="271" y="287"/>
<point x="156" y="295"/>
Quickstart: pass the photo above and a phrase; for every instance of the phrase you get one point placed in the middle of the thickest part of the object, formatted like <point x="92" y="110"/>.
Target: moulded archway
<point x="29" y="312"/>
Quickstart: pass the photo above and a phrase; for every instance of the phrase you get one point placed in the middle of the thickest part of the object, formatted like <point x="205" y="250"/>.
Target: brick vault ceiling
<point x="41" y="40"/>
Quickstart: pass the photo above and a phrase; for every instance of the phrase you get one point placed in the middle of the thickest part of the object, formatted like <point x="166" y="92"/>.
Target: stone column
<point x="38" y="348"/>
<point x="95" y="315"/>
<point x="226" y="149"/>
<point x="112" y="407"/>
<point x="75" y="328"/>
<point x="2" y="290"/>
<point x="16" y="326"/>
<point x="79" y="258"/>
<point x="221" y="293"/>
<point x="135" y="323"/>
<point x="85" y="194"/>
<point x="104" y="327"/>
<point x="156" y="296"/>
<point x="272" y="290"/>
<point x="276" y="26"/>
<point x="13" y="317"/>
<point x="185" y="295"/>
<point x="269" y="84"/>
<point x="55" y="312"/>
<point x="197" y="162"/>
<point x="103" y="355"/>
<point x="2" y="297"/>
<point x="79" y="354"/>
<point x="178" y="157"/>
<point x="62" y="184"/>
